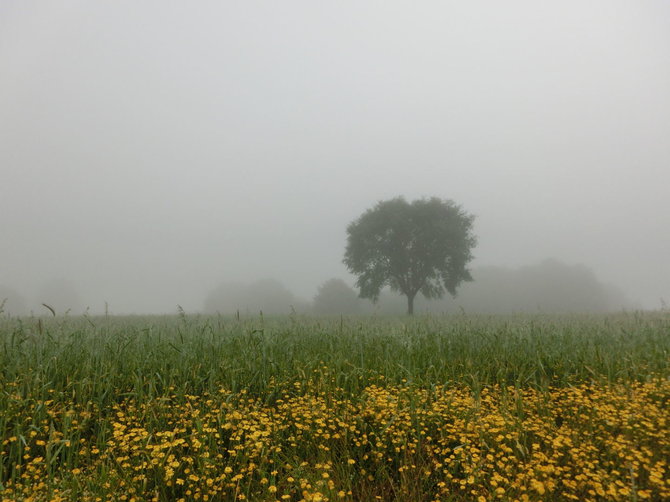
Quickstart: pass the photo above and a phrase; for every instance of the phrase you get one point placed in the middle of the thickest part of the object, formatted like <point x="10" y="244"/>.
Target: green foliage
<point x="423" y="246"/>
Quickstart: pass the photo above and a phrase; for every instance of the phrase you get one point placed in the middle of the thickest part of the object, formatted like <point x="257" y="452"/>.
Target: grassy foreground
<point x="449" y="408"/>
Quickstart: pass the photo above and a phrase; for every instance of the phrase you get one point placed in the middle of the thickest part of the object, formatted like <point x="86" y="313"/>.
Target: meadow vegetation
<point x="296" y="408"/>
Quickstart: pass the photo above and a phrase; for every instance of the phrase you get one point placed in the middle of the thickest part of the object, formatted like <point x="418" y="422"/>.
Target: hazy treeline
<point x="550" y="286"/>
<point x="268" y="295"/>
<point x="59" y="294"/>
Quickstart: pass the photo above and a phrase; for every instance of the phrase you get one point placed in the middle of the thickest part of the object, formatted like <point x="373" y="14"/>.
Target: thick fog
<point x="152" y="152"/>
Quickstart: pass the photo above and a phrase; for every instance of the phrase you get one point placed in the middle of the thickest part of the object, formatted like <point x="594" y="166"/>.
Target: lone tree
<point x="420" y="246"/>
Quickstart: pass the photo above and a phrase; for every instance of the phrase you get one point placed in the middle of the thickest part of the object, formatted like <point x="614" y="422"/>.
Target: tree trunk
<point x="410" y="304"/>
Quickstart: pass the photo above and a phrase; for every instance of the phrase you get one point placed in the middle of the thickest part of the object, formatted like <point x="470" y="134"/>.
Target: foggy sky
<point x="151" y="150"/>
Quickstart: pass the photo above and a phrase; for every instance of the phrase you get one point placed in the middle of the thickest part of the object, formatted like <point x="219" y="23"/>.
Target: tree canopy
<point x="423" y="246"/>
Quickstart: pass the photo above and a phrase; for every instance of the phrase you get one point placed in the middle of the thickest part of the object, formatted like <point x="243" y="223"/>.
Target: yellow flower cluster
<point x="583" y="442"/>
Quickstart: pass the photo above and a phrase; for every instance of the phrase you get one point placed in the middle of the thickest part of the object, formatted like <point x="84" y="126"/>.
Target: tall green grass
<point x="102" y="359"/>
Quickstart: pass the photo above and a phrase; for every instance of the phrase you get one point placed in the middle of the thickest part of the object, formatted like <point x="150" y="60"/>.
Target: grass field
<point x="442" y="408"/>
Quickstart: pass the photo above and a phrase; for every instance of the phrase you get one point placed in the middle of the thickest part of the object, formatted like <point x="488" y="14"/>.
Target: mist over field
<point x="211" y="155"/>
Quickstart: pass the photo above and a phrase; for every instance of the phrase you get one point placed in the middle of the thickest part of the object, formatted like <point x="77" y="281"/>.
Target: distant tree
<point x="271" y="297"/>
<point x="267" y="295"/>
<point x="423" y="246"/>
<point x="336" y="297"/>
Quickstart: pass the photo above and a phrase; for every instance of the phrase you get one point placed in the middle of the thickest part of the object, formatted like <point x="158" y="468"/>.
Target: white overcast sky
<point x="151" y="150"/>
